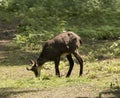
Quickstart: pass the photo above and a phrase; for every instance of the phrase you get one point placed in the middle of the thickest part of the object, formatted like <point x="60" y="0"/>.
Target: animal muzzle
<point x="28" y="68"/>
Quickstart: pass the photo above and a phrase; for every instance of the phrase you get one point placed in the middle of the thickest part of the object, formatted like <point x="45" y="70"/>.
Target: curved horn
<point x="32" y="62"/>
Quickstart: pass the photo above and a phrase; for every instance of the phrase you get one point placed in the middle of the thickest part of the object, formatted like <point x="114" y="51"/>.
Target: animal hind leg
<point x="80" y="60"/>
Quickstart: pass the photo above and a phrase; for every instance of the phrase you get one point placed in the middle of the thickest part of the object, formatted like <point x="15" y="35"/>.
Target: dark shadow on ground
<point x="7" y="34"/>
<point x="17" y="57"/>
<point x="9" y="92"/>
<point x="113" y="93"/>
<point x="11" y="54"/>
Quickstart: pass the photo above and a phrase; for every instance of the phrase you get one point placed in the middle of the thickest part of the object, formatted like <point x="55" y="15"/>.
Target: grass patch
<point x="101" y="72"/>
<point x="43" y="82"/>
<point x="96" y="77"/>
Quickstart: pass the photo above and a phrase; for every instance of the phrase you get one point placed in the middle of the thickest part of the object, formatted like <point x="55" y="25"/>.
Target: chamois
<point x="64" y="43"/>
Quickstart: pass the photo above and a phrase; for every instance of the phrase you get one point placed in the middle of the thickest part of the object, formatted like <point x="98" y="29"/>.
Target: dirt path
<point x="5" y="39"/>
<point x="3" y="48"/>
<point x="73" y="91"/>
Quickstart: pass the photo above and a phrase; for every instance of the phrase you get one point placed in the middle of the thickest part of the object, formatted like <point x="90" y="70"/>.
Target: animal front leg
<point x="57" y="72"/>
<point x="80" y="60"/>
<point x="71" y="62"/>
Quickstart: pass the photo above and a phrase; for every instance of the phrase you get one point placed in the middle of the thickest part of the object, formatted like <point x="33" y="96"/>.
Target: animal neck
<point x="40" y="61"/>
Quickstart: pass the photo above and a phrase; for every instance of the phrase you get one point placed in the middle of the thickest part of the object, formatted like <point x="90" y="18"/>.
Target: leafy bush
<point x="41" y="20"/>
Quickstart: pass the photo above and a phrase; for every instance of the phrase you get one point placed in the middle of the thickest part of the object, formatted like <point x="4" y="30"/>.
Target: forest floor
<point x="16" y="82"/>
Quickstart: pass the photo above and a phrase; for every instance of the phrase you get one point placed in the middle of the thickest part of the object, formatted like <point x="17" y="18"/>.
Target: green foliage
<point x="100" y="50"/>
<point x="115" y="84"/>
<point x="47" y="15"/>
<point x="41" y="20"/>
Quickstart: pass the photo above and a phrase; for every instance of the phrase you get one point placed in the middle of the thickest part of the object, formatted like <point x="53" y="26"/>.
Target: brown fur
<point x="64" y="43"/>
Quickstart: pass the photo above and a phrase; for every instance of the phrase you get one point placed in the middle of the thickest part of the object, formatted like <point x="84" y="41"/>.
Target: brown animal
<point x="64" y="43"/>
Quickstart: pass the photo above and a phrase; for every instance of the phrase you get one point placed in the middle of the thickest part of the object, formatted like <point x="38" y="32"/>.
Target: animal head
<point x="34" y="68"/>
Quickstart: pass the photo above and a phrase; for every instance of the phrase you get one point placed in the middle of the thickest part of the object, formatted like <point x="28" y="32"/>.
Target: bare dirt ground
<point x="3" y="48"/>
<point x="74" y="91"/>
<point x="4" y="41"/>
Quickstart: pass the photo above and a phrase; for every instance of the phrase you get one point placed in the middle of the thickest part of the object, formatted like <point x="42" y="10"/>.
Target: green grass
<point x="101" y="72"/>
<point x="13" y="77"/>
<point x="98" y="75"/>
<point x="14" y="73"/>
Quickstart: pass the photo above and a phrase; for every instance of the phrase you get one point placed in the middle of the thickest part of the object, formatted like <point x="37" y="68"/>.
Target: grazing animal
<point x="64" y="43"/>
